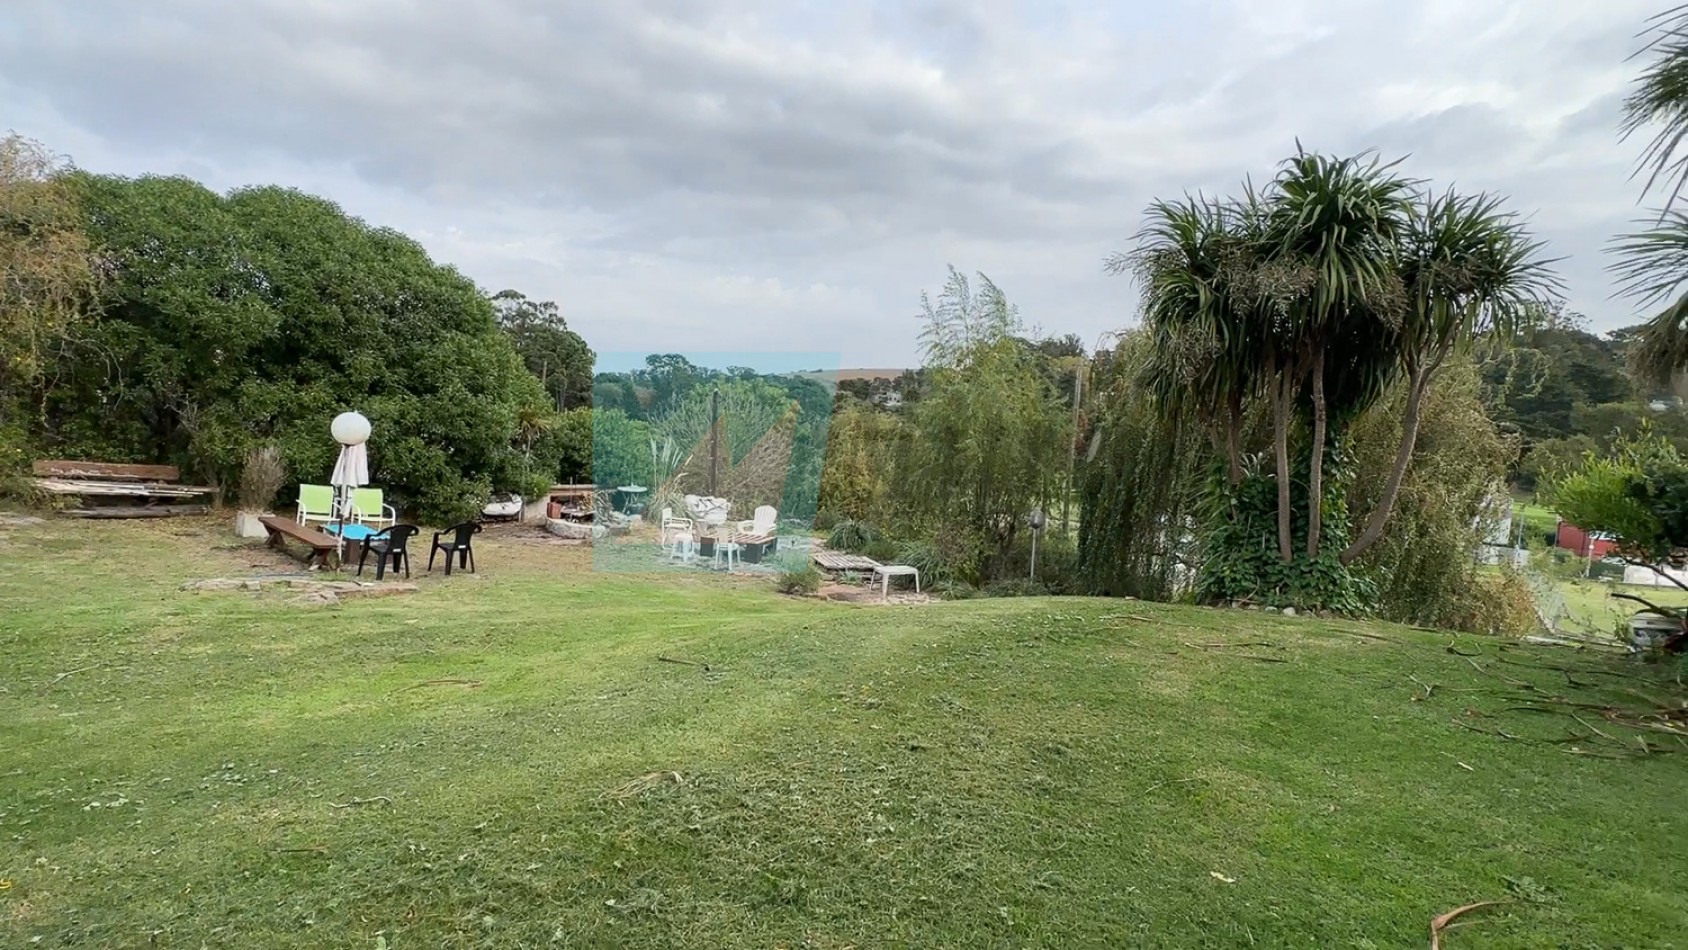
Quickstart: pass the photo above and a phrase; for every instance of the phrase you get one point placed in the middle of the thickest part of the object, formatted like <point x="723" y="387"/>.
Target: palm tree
<point x="1468" y="269"/>
<point x="1335" y="220"/>
<point x="1660" y="98"/>
<point x="1190" y="256"/>
<point x="1653" y="264"/>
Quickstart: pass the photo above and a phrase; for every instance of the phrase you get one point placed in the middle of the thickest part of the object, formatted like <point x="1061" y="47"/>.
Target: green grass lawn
<point x="185" y="769"/>
<point x="1540" y="520"/>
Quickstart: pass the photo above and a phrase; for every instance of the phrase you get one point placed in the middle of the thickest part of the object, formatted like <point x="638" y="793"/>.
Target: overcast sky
<point x="788" y="176"/>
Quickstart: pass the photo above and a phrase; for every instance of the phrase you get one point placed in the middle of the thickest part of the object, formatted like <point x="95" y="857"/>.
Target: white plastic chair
<point x="763" y="521"/>
<point x="672" y="525"/>
<point x="729" y="549"/>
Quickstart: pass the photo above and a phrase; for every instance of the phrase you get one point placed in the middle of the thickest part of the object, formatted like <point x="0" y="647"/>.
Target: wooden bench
<point x="142" y="491"/>
<point x="323" y="546"/>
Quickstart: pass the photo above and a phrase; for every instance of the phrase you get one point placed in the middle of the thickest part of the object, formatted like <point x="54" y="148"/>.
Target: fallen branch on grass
<point x="1174" y="781"/>
<point x="1487" y="732"/>
<point x="1241" y="656"/>
<point x="668" y="659"/>
<point x="1440" y="923"/>
<point x="1428" y="688"/>
<point x="80" y="669"/>
<point x="471" y="684"/>
<point x="1246" y="643"/>
<point x="361" y="801"/>
<point x="1458" y="652"/>
<point x="644" y="783"/>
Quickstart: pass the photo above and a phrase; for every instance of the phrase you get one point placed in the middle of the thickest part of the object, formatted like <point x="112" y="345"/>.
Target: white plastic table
<point x="884" y="572"/>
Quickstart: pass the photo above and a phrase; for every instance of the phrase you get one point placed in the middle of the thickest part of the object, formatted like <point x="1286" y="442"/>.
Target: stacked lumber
<point x="110" y="490"/>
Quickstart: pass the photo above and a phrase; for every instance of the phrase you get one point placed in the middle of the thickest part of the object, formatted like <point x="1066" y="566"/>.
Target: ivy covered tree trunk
<point x="1280" y="448"/>
<point x="1316" y="470"/>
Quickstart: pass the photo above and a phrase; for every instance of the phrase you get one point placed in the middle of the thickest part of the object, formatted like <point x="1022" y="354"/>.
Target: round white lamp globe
<point x="350" y="428"/>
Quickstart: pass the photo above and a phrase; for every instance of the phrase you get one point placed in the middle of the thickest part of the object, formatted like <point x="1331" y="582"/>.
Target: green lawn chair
<point x="370" y="508"/>
<point x="316" y="503"/>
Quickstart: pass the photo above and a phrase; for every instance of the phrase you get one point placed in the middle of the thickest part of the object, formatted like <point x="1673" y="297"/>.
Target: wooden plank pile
<point x="108" y="490"/>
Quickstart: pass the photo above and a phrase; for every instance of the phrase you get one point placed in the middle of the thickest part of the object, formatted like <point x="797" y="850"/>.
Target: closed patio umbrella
<point x="351" y="470"/>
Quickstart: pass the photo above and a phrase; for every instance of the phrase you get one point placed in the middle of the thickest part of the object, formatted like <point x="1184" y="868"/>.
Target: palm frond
<point x="1660" y="98"/>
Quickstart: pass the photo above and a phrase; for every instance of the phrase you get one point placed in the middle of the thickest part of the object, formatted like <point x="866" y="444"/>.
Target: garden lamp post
<point x="1036" y="520"/>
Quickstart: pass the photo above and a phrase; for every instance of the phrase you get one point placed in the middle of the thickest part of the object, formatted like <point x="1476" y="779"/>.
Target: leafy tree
<point x="621" y="450"/>
<point x="256" y="316"/>
<point x="555" y="354"/>
<point x="987" y="441"/>
<point x="48" y="271"/>
<point x="1636" y="492"/>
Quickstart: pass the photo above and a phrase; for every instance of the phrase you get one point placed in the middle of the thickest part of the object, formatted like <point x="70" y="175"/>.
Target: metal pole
<point x="1034" y="554"/>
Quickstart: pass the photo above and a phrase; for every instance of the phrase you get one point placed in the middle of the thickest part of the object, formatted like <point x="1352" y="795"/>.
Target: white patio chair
<point x="762" y="523"/>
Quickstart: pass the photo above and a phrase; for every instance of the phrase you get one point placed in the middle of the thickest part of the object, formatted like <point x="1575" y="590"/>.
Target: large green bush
<point x="257" y="316"/>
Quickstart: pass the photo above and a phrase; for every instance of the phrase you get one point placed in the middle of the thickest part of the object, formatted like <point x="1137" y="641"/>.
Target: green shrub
<point x="1499" y="603"/>
<point x="952" y="590"/>
<point x="925" y="556"/>
<point x="826" y="520"/>
<point x="851" y="536"/>
<point x="798" y="580"/>
<point x="882" y="550"/>
<point x="1018" y="587"/>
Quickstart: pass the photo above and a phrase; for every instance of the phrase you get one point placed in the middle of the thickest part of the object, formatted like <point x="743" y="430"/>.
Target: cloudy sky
<point x="788" y="176"/>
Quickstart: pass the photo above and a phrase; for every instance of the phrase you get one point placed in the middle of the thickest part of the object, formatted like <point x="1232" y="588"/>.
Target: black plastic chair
<point x="459" y="542"/>
<point x="389" y="544"/>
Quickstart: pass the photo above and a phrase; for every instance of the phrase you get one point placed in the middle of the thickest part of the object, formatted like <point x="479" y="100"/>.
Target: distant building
<point x="1595" y="544"/>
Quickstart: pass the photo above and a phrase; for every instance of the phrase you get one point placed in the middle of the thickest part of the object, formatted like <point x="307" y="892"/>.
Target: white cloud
<point x="740" y="173"/>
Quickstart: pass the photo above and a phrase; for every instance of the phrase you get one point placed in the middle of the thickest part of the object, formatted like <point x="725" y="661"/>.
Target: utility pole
<point x="714" y="437"/>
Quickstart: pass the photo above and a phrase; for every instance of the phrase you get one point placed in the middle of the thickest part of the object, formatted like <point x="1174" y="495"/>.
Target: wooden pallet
<point x="837" y="561"/>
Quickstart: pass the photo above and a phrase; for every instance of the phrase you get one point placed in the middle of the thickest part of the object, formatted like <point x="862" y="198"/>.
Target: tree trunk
<point x="1234" y="439"/>
<point x="1418" y="382"/>
<point x="1280" y="445"/>
<point x="1316" y="470"/>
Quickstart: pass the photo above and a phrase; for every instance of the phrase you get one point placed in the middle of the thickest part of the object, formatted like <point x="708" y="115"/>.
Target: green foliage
<point x="988" y="441"/>
<point x="931" y="560"/>
<point x="1425" y="567"/>
<point x="1240" y="560"/>
<point x="566" y="446"/>
<point x="861" y="454"/>
<point x="1634" y="493"/>
<point x="621" y="450"/>
<point x="804" y="579"/>
<point x="553" y="353"/>
<point x="1499" y="603"/>
<point x="48" y="272"/>
<point x="255" y="317"/>
<point x="852" y="536"/>
<point x="1143" y="476"/>
<point x="825" y="520"/>
<point x="883" y="550"/>
<point x="1014" y="587"/>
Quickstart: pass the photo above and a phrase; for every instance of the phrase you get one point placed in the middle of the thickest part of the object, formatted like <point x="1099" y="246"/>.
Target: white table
<point x="884" y="572"/>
